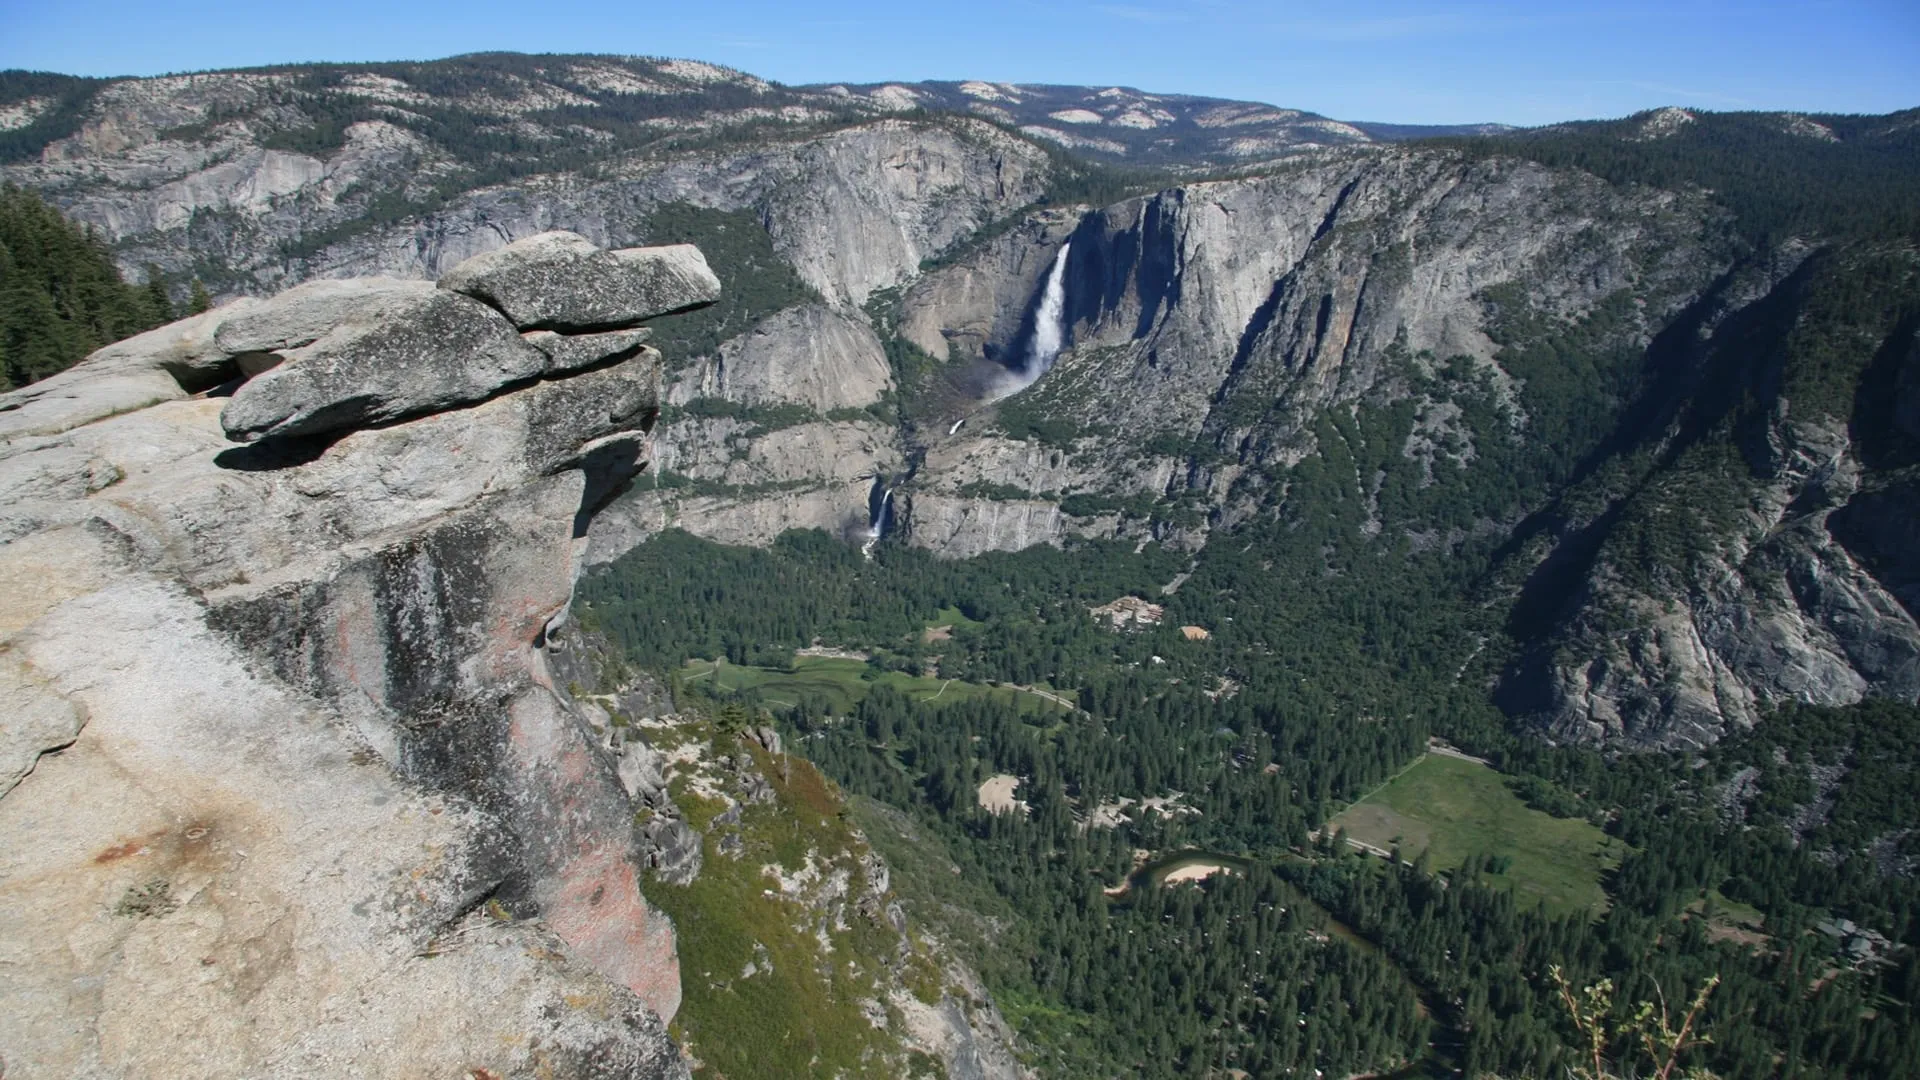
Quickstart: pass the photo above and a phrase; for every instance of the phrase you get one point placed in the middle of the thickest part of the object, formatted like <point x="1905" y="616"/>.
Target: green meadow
<point x="1454" y="810"/>
<point x="841" y="684"/>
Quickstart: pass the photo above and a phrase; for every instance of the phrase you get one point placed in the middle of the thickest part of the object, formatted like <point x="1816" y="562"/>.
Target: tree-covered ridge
<point x="51" y="105"/>
<point x="1782" y="174"/>
<point x="61" y="296"/>
<point x="463" y="102"/>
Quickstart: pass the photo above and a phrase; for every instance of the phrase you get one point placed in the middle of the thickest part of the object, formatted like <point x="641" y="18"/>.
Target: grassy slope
<point x="804" y="1016"/>
<point x="1455" y="809"/>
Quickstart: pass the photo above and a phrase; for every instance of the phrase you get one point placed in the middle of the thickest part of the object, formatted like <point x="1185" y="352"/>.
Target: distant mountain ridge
<point x="1117" y="123"/>
<point x="1120" y="123"/>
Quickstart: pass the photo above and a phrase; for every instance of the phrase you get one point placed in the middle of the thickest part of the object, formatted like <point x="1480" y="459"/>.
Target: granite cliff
<point x="288" y="784"/>
<point x="1697" y="445"/>
<point x="291" y="580"/>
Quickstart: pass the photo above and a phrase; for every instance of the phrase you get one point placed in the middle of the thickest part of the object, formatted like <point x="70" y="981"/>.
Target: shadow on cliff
<point x="1689" y="389"/>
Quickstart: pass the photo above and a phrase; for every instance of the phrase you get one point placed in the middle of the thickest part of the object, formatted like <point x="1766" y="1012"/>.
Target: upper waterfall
<point x="1049" y="330"/>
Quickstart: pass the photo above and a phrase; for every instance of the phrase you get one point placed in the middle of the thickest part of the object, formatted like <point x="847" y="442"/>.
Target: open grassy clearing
<point x="1730" y="920"/>
<point x="841" y="683"/>
<point x="1455" y="809"/>
<point x="953" y="616"/>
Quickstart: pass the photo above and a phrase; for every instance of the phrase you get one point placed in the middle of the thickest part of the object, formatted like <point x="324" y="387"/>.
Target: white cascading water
<point x="1048" y="332"/>
<point x="878" y="527"/>
<point x="1049" y="329"/>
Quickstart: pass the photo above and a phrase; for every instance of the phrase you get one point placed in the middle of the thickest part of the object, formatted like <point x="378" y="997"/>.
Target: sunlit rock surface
<point x="285" y="783"/>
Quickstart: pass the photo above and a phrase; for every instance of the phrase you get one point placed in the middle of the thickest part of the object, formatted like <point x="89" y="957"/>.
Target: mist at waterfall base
<point x="1049" y="333"/>
<point x="960" y="389"/>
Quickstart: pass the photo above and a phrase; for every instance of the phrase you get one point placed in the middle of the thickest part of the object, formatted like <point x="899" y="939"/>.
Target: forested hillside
<point x="61" y="296"/>
<point x="1583" y="461"/>
<point x="1257" y="744"/>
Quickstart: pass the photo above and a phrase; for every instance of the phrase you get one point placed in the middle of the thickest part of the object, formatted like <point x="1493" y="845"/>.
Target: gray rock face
<point x="755" y="482"/>
<point x="306" y="313"/>
<point x="1236" y="313"/>
<point x="1796" y="580"/>
<point x="810" y="355"/>
<point x="967" y="527"/>
<point x="561" y="281"/>
<point x="425" y="353"/>
<point x="365" y="832"/>
<point x="1807" y="598"/>
<point x="673" y="850"/>
<point x="855" y="209"/>
<point x="746" y="517"/>
<point x="569" y="352"/>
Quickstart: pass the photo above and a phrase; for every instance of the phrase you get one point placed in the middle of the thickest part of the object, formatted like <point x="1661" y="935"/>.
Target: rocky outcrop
<point x="1767" y="557"/>
<point x="426" y="353"/>
<point x="745" y="517"/>
<point x="963" y="528"/>
<point x="560" y="281"/>
<point x="570" y="352"/>
<point x="813" y="356"/>
<point x="1780" y="611"/>
<point x="1804" y="596"/>
<point x="292" y="787"/>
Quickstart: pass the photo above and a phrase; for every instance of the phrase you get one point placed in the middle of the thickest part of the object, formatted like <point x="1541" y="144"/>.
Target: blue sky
<point x="1436" y="62"/>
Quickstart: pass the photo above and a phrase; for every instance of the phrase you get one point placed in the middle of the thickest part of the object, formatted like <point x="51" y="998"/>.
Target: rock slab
<point x="419" y="352"/>
<point x="561" y="281"/>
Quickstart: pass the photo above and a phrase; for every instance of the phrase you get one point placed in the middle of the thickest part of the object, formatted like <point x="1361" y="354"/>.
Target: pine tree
<point x="61" y="297"/>
<point x="159" y="303"/>
<point x="198" y="301"/>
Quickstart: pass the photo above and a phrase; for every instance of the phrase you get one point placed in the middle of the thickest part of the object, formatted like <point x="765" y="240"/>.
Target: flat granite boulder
<point x="414" y="352"/>
<point x="561" y="281"/>
<point x="306" y="313"/>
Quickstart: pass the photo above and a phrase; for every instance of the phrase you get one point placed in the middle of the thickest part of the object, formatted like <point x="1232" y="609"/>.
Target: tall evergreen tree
<point x="61" y="297"/>
<point x="159" y="302"/>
